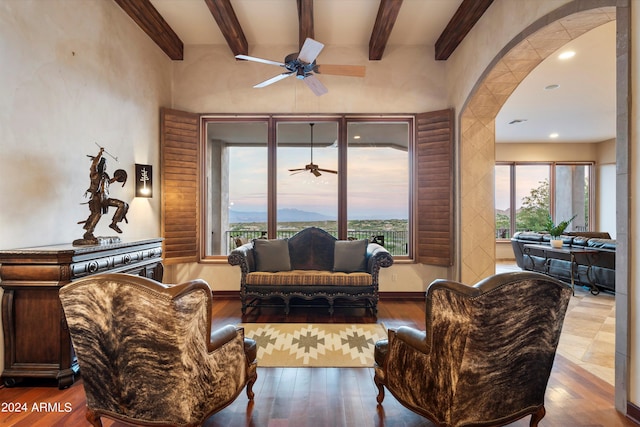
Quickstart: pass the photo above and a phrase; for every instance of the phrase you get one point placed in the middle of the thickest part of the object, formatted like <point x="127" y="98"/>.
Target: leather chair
<point x="486" y="354"/>
<point x="147" y="354"/>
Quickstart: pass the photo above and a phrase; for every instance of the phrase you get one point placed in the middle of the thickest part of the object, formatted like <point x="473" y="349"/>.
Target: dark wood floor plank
<point x="331" y="397"/>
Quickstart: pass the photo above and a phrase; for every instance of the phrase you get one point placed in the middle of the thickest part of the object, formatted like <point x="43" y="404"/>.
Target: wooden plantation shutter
<point x="434" y="176"/>
<point x="179" y="147"/>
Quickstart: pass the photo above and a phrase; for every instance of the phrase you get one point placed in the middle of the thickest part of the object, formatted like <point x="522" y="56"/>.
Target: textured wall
<point x="74" y="73"/>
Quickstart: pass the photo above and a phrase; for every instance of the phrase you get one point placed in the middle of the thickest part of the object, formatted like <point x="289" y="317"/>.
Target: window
<point x="273" y="176"/>
<point x="236" y="184"/>
<point x="378" y="183"/>
<point x="307" y="176"/>
<point x="527" y="193"/>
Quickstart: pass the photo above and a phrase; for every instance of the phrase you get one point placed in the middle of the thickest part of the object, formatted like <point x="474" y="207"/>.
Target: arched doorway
<point x="477" y="146"/>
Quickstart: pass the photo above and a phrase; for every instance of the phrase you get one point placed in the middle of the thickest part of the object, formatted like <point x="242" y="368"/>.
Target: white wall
<point x="606" y="185"/>
<point x="73" y="73"/>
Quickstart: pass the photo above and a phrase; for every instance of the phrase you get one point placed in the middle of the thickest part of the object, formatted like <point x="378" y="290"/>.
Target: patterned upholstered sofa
<point x="310" y="265"/>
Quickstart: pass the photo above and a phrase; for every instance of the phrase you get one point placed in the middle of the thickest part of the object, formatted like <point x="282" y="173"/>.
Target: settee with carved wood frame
<point x="310" y="265"/>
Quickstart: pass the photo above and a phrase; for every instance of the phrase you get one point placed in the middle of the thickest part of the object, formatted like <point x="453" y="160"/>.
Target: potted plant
<point x="556" y="230"/>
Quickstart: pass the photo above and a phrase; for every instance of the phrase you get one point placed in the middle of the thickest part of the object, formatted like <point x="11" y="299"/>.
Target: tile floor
<point x="588" y="334"/>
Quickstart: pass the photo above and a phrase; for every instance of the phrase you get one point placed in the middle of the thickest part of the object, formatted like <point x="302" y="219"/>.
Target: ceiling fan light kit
<point x="303" y="66"/>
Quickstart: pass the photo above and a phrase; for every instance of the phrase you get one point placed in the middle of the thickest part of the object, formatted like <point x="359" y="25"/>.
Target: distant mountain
<point x="284" y="215"/>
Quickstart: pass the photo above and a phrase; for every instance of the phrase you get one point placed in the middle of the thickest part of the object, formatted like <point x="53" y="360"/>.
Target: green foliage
<point x="503" y="225"/>
<point x="557" y="230"/>
<point x="534" y="212"/>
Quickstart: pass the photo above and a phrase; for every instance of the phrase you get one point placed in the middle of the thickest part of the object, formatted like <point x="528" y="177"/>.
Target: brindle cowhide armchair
<point x="486" y="355"/>
<point x="147" y="354"/>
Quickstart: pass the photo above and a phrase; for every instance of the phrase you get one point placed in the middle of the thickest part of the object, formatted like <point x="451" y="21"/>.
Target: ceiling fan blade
<point x="315" y="172"/>
<point x="327" y="170"/>
<point x="310" y="50"/>
<point x="341" y="70"/>
<point x="297" y="169"/>
<point x="315" y="85"/>
<point x="254" y="59"/>
<point x="274" y="79"/>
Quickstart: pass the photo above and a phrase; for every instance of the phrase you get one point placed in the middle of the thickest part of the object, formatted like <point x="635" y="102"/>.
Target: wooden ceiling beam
<point x="469" y="12"/>
<point x="152" y="23"/>
<point x="227" y="20"/>
<point x="387" y="15"/>
<point x="305" y="21"/>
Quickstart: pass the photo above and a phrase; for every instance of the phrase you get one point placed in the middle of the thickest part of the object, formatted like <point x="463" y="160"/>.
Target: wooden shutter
<point x="434" y="186"/>
<point x="179" y="147"/>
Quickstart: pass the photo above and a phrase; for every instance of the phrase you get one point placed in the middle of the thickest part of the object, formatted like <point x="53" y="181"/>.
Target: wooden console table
<point x="572" y="252"/>
<point x="36" y="339"/>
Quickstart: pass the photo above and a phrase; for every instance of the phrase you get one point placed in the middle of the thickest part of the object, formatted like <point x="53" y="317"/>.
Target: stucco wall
<point x="74" y="73"/>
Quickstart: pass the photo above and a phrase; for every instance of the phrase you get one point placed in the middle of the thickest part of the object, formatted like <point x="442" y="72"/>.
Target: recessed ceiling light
<point x="566" y="55"/>
<point x="356" y="137"/>
<point x="553" y="135"/>
<point x="551" y="87"/>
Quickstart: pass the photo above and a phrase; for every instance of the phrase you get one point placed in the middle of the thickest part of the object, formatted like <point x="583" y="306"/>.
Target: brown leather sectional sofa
<point x="594" y="262"/>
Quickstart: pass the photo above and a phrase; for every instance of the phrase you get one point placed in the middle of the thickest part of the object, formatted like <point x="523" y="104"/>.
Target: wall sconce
<point x="144" y="181"/>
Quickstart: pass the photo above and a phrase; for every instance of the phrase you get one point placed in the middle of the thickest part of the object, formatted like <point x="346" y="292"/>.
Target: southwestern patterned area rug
<point x="320" y="345"/>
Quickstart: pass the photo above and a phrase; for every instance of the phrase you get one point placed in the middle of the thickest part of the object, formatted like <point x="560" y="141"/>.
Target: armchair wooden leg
<point x="380" y="386"/>
<point x="537" y="416"/>
<point x="250" y="393"/>
<point x="93" y="418"/>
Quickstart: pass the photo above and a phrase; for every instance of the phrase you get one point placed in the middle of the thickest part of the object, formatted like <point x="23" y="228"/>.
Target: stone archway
<point x="477" y="144"/>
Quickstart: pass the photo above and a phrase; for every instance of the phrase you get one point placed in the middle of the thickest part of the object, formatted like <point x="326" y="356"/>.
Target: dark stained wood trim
<point x="387" y="15"/>
<point x="469" y="12"/>
<point x="633" y="412"/>
<point x="305" y="21"/>
<point x="227" y="20"/>
<point x="152" y="23"/>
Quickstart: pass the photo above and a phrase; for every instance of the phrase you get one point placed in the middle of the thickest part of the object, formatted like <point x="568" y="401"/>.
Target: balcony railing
<point x="396" y="242"/>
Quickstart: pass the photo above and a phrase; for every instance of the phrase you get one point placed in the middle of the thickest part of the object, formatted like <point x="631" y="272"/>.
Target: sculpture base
<point x="100" y="240"/>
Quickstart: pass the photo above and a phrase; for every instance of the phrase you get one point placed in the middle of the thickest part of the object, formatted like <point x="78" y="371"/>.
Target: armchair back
<point x="146" y="350"/>
<point x="486" y="354"/>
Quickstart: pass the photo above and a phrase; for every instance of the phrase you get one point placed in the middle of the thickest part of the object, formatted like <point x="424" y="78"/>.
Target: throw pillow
<point x="350" y="255"/>
<point x="272" y="255"/>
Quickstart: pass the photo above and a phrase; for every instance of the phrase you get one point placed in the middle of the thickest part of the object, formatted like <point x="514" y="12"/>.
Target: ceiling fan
<point x="312" y="167"/>
<point x="303" y="66"/>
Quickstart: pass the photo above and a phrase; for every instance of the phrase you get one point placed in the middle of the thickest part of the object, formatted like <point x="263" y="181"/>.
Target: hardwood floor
<point x="332" y="397"/>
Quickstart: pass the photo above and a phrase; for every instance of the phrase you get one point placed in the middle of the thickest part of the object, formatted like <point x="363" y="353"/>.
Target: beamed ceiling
<point x="224" y="17"/>
<point x="582" y="110"/>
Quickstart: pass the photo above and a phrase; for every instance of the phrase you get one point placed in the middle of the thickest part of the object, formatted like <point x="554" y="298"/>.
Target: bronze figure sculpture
<point x="99" y="200"/>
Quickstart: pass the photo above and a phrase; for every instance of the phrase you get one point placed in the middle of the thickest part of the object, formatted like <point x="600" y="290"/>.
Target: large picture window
<point x="527" y="193"/>
<point x="270" y="177"/>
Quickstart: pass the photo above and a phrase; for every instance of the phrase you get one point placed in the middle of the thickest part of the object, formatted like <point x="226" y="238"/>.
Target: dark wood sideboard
<point x="36" y="339"/>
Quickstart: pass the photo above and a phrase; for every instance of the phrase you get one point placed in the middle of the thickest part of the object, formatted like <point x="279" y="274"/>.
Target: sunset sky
<point x="377" y="186"/>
